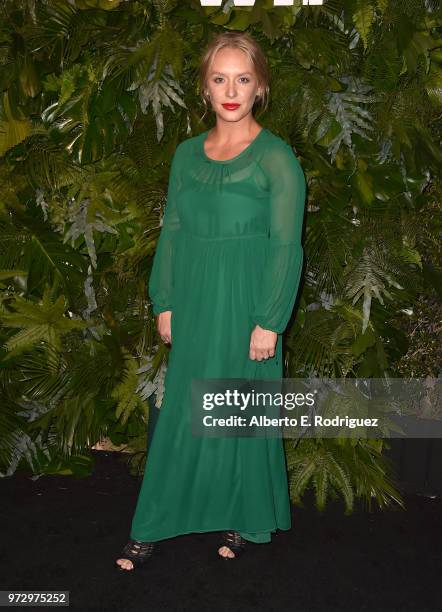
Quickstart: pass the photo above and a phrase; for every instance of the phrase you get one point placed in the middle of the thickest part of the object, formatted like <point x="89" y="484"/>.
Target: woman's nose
<point x="231" y="90"/>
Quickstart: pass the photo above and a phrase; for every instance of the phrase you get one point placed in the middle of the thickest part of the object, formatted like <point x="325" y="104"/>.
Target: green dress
<point x="229" y="256"/>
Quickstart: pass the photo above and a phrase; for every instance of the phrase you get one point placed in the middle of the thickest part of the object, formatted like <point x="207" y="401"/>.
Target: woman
<point x="223" y="284"/>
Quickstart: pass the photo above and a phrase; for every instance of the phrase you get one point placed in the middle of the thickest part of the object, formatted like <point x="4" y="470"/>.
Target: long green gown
<point x="229" y="257"/>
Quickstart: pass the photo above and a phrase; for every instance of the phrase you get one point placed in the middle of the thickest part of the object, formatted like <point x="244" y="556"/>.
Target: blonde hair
<point x="244" y="42"/>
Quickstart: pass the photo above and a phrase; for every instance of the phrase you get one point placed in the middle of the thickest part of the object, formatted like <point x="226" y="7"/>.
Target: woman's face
<point x="232" y="80"/>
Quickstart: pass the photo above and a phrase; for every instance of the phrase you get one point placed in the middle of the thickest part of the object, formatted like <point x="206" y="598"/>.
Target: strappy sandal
<point x="138" y="553"/>
<point x="235" y="542"/>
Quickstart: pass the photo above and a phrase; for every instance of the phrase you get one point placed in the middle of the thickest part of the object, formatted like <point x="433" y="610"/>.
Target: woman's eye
<point x="243" y="79"/>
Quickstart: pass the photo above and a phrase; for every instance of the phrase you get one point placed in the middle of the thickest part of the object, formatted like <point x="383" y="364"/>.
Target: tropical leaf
<point x="126" y="391"/>
<point x="12" y="130"/>
<point x="44" y="321"/>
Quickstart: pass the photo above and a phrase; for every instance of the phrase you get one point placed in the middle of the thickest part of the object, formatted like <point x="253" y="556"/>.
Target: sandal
<point x="138" y="553"/>
<point x="235" y="542"/>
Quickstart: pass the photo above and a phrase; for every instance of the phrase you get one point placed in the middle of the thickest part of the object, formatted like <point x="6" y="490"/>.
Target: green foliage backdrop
<point x="94" y="97"/>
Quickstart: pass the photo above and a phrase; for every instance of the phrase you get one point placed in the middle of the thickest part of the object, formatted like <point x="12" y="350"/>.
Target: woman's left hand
<point x="262" y="343"/>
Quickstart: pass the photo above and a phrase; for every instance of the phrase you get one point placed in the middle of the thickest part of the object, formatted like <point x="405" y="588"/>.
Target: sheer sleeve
<point x="284" y="252"/>
<point x="161" y="277"/>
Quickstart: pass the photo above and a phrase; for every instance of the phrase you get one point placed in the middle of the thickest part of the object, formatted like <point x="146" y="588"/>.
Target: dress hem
<point x="210" y="529"/>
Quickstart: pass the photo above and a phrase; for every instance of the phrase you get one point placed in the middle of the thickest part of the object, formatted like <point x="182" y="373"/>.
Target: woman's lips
<point x="231" y="106"/>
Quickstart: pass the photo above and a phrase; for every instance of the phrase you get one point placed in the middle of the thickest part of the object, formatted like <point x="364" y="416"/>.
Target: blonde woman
<point x="223" y="285"/>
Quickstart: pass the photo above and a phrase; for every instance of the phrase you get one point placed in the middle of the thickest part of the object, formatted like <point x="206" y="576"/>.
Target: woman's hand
<point x="262" y="343"/>
<point x="164" y="327"/>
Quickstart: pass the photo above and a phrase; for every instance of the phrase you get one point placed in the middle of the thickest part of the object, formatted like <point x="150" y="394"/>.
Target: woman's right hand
<point x="164" y="326"/>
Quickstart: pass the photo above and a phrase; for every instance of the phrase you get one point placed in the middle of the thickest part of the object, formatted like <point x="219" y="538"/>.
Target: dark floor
<point x="65" y="533"/>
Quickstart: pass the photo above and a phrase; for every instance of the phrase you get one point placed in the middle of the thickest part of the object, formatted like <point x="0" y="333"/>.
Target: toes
<point x="226" y="552"/>
<point x="125" y="563"/>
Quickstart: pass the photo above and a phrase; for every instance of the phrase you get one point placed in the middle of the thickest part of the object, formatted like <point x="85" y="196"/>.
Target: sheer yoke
<point x="229" y="257"/>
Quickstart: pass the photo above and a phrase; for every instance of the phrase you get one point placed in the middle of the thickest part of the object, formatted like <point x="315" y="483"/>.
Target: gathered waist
<point x="192" y="236"/>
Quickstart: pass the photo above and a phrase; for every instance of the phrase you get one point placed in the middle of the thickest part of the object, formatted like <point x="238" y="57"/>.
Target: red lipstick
<point x="230" y="106"/>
